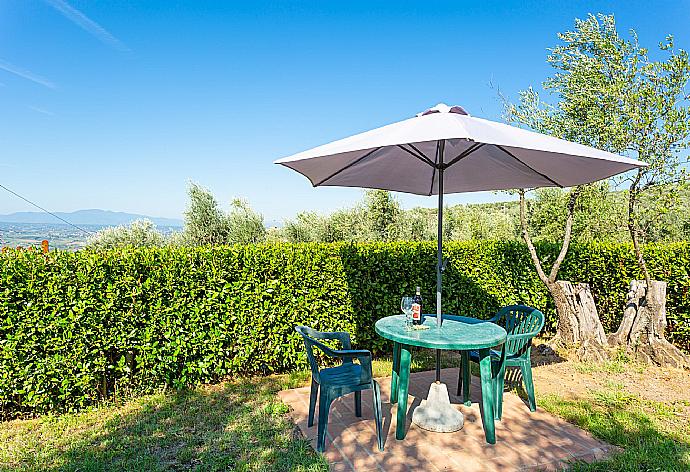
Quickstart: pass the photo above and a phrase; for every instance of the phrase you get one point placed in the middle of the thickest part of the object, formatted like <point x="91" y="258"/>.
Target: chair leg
<point x="459" y="376"/>
<point x="378" y="414"/>
<point x="324" y="406"/>
<point x="526" y="369"/>
<point x="358" y="404"/>
<point x="466" y="378"/>
<point x="312" y="402"/>
<point x="500" y="386"/>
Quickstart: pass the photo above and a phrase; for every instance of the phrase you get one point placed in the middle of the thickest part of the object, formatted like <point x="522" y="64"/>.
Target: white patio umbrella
<point x="445" y="150"/>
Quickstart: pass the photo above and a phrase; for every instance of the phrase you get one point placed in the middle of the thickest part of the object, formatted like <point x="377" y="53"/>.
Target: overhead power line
<point x="44" y="210"/>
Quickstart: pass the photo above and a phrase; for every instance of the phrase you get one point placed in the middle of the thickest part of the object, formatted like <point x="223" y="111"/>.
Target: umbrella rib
<point x="353" y="163"/>
<point x="529" y="166"/>
<point x="433" y="172"/>
<point x="418" y="151"/>
<point x="419" y="156"/>
<point x="464" y="154"/>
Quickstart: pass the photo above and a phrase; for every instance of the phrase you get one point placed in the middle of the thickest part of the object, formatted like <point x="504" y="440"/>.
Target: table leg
<point x="488" y="390"/>
<point x="404" y="381"/>
<point x="396" y="372"/>
<point x="466" y="378"/>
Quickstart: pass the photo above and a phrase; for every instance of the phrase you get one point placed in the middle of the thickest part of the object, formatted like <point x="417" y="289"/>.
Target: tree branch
<point x="650" y="185"/>
<point x="528" y="240"/>
<point x="574" y="194"/>
<point x="633" y="195"/>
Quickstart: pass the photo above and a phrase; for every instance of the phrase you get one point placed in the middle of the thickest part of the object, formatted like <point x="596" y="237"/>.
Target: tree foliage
<point x="140" y="233"/>
<point x="611" y="95"/>
<point x="245" y="226"/>
<point x="600" y="216"/>
<point x="382" y="212"/>
<point x="204" y="221"/>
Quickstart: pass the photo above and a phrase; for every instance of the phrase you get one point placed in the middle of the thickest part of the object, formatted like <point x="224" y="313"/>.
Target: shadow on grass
<point x="649" y="443"/>
<point x="238" y="425"/>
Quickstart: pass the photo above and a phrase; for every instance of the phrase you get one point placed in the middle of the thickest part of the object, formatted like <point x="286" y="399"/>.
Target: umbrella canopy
<point x="445" y="150"/>
<point x="474" y="154"/>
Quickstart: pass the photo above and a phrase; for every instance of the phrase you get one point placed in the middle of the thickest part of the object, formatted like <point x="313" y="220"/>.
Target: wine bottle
<point x="417" y="308"/>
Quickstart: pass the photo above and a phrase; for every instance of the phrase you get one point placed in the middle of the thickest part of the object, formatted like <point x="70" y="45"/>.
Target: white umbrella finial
<point x="443" y="108"/>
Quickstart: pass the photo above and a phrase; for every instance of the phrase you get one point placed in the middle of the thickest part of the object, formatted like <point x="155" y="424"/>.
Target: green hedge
<point x="79" y="327"/>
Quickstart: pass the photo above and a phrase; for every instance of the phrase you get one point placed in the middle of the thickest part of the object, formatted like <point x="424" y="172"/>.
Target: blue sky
<point x="117" y="105"/>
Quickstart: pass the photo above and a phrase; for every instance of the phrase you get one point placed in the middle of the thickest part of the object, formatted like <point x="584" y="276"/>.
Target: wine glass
<point x="406" y="307"/>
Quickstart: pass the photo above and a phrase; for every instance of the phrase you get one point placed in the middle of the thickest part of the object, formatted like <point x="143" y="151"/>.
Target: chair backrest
<point x="519" y="319"/>
<point x="311" y="339"/>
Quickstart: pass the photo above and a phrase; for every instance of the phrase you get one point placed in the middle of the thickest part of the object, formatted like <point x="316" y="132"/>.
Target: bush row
<point x="76" y="328"/>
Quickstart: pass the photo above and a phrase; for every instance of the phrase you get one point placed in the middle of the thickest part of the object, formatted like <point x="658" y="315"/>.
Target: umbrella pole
<point x="439" y="266"/>
<point x="436" y="413"/>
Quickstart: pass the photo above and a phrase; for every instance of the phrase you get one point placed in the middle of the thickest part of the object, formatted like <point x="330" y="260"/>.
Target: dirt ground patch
<point x="555" y="373"/>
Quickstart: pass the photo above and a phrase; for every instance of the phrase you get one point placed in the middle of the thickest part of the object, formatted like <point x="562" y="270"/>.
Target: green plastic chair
<point x="337" y="381"/>
<point x="522" y="323"/>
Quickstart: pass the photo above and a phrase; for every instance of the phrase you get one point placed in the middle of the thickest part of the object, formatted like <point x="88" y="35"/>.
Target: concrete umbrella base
<point x="436" y="413"/>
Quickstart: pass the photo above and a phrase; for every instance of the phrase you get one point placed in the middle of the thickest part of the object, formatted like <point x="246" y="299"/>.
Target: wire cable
<point x="43" y="209"/>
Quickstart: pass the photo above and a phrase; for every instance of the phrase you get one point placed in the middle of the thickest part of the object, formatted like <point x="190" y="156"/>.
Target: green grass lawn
<point x="240" y="425"/>
<point x="654" y="436"/>
<point x="237" y="425"/>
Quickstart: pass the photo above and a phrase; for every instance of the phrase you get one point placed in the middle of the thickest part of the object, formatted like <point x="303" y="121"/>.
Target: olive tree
<point x="205" y="222"/>
<point x="610" y="94"/>
<point x="304" y="228"/>
<point x="245" y="226"/>
<point x="382" y="212"/>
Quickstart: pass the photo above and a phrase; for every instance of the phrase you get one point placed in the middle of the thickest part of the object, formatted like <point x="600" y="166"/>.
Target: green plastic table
<point x="458" y="333"/>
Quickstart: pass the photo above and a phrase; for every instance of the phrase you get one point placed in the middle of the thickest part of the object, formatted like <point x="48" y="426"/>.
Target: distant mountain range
<point x="85" y="217"/>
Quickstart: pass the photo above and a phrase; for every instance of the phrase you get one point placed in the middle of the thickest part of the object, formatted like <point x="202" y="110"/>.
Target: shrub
<point x="76" y="328"/>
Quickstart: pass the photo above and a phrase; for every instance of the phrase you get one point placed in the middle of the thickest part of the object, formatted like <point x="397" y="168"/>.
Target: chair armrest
<point x="362" y="355"/>
<point x="352" y="353"/>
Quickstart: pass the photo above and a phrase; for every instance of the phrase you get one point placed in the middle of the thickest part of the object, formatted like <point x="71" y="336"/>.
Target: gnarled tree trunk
<point x="578" y="320"/>
<point x="641" y="332"/>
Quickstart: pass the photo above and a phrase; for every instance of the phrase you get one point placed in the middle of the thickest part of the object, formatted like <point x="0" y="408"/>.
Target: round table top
<point x="458" y="333"/>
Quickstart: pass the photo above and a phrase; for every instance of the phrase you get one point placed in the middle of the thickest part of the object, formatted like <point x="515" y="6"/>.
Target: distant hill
<point x="85" y="217"/>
